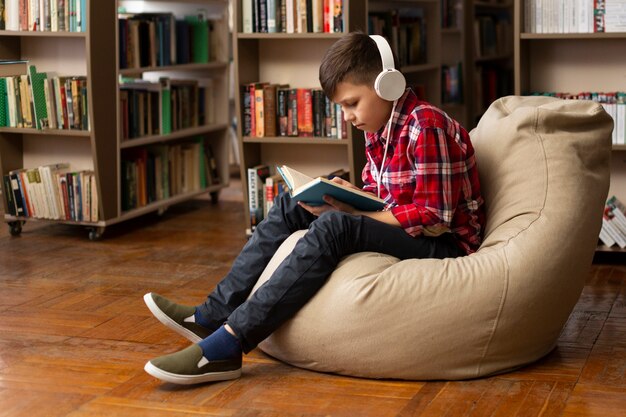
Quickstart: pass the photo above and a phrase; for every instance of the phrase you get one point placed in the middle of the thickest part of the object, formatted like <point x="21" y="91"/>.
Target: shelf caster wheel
<point x="15" y="228"/>
<point x="215" y="195"/>
<point x="95" y="233"/>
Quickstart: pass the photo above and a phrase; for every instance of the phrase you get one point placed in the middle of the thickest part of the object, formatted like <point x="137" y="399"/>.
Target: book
<point x="256" y="191"/>
<point x="312" y="190"/>
<point x="9" y="68"/>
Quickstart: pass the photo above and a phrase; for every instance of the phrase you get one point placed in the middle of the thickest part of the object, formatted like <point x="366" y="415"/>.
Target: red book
<point x="305" y="112"/>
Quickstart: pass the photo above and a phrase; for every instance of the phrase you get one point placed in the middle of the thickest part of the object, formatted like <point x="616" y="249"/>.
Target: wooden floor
<point x="75" y="334"/>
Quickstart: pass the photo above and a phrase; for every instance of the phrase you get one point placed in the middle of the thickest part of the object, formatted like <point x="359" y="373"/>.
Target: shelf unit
<point x="572" y="62"/>
<point x="94" y="54"/>
<point x="459" y="43"/>
<point x="294" y="59"/>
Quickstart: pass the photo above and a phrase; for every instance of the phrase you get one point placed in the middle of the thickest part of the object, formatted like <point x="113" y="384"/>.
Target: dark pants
<point x="330" y="237"/>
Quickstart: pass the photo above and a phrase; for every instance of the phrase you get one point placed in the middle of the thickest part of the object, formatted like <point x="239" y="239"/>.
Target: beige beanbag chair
<point x="544" y="169"/>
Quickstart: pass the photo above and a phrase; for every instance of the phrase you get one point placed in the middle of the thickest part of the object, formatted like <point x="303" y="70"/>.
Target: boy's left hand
<point x="331" y="204"/>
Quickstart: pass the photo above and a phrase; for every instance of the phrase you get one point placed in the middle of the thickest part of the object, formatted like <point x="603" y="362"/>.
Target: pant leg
<point x="329" y="238"/>
<point x="283" y="219"/>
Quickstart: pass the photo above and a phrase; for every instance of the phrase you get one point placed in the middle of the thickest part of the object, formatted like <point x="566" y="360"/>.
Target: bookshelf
<point x="478" y="36"/>
<point x="572" y="63"/>
<point x="95" y="54"/>
<point x="293" y="59"/>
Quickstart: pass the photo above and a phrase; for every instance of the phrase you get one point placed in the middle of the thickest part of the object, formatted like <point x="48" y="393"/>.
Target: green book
<point x="4" y="103"/>
<point x="166" y="105"/>
<point x="37" y="80"/>
<point x="199" y="38"/>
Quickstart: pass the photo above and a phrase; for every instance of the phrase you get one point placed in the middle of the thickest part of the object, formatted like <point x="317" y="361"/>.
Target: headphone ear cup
<point x="390" y="85"/>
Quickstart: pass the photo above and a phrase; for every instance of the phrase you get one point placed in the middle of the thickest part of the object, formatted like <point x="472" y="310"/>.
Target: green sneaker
<point x="188" y="366"/>
<point x="177" y="317"/>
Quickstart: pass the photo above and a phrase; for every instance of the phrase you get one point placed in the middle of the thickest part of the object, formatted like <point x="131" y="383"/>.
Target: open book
<point x="311" y="190"/>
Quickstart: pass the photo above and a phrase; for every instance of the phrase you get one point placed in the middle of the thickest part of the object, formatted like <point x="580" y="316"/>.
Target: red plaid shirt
<point x="430" y="179"/>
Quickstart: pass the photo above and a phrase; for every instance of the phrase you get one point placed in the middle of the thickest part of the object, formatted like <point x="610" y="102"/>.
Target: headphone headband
<point x="385" y="52"/>
<point x="390" y="83"/>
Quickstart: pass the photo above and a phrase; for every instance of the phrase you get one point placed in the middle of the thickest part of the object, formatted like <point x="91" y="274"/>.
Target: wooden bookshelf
<point x="461" y="42"/>
<point x="572" y="62"/>
<point x="294" y="58"/>
<point x="94" y="53"/>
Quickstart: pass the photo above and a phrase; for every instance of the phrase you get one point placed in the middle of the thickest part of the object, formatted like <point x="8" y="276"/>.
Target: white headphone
<point x="390" y="83"/>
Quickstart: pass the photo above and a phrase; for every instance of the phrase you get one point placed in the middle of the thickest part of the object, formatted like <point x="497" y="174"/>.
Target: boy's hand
<point x="331" y="204"/>
<point x="345" y="183"/>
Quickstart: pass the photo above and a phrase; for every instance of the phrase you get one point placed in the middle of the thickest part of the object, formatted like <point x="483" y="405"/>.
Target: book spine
<point x="259" y="119"/>
<point x="246" y="116"/>
<point x="292" y="113"/>
<point x="10" y="197"/>
<point x="282" y="110"/>
<point x="253" y="203"/>
<point x="305" y="112"/>
<point x="269" y="110"/>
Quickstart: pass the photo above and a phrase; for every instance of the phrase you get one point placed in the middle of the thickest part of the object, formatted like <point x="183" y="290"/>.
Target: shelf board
<point x="294" y="140"/>
<point x="567" y="36"/>
<point x="619" y="147"/>
<point x="46" y="132"/>
<point x="10" y="218"/>
<point x="181" y="67"/>
<point x="25" y="33"/>
<point x="147" y="140"/>
<point x="316" y="36"/>
<point x="156" y="205"/>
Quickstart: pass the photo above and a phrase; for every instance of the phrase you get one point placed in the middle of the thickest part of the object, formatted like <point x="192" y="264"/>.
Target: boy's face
<point x="361" y="106"/>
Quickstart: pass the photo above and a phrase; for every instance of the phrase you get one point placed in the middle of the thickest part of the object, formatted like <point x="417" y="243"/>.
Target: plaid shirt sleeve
<point x="439" y="169"/>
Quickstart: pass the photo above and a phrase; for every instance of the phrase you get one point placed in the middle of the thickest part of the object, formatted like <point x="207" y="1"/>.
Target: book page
<point x="294" y="178"/>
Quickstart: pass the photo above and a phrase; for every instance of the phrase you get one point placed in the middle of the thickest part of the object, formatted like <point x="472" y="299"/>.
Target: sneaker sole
<point x="190" y="379"/>
<point x="168" y="322"/>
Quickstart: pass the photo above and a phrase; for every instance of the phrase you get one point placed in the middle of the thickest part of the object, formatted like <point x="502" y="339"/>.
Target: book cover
<point x="282" y="105"/>
<point x="9" y="68"/>
<point x="37" y="81"/>
<point x="256" y="181"/>
<point x="269" y="109"/>
<point x="292" y="112"/>
<point x="4" y="103"/>
<point x="305" y="111"/>
<point x="259" y="117"/>
<point x="312" y="190"/>
<point x="10" y="197"/>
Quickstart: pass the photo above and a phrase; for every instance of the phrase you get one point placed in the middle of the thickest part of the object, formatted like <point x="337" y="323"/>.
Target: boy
<point x="425" y="172"/>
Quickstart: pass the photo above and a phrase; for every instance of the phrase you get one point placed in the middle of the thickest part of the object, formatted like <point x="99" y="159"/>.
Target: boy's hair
<point x="354" y="58"/>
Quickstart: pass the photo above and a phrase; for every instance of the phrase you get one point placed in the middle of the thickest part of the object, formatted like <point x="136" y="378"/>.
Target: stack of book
<point x="31" y="99"/>
<point x="265" y="184"/>
<point x="162" y="171"/>
<point x="292" y="16"/>
<point x="613" y="230"/>
<point x="44" y="16"/>
<point x="405" y="29"/>
<point x="160" y="39"/>
<point x="574" y="16"/>
<point x="52" y="192"/>
<point x="271" y="110"/>
<point x="614" y="104"/>
<point x="161" y="107"/>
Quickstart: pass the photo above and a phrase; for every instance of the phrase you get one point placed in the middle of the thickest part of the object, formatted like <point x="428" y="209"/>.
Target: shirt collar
<point x="372" y="138"/>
